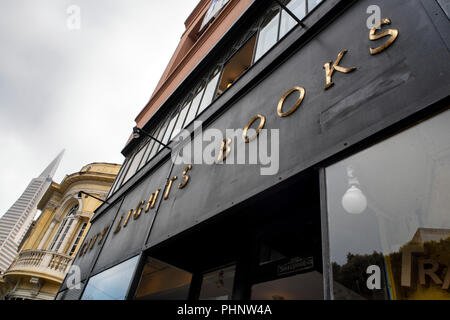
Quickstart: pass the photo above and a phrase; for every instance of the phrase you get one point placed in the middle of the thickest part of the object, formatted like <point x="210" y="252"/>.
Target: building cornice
<point x="143" y="116"/>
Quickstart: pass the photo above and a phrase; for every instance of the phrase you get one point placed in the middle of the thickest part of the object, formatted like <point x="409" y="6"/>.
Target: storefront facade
<point x="356" y="207"/>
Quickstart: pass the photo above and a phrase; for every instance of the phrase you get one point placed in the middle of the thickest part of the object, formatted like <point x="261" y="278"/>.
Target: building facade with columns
<point x="46" y="253"/>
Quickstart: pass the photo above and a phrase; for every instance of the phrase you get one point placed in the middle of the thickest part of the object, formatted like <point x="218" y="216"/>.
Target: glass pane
<point x="157" y="145"/>
<point x="111" y="284"/>
<point x="209" y="93"/>
<point x="312" y="4"/>
<point x="215" y="7"/>
<point x="127" y="165"/>
<point x="218" y="285"/>
<point x="268" y="34"/>
<point x="135" y="164"/>
<point x="161" y="281"/>
<point x="194" y="107"/>
<point x="298" y="7"/>
<point x="169" y="130"/>
<point x="304" y="286"/>
<point x="116" y="182"/>
<point x="147" y="152"/>
<point x="389" y="220"/>
<point x="180" y="121"/>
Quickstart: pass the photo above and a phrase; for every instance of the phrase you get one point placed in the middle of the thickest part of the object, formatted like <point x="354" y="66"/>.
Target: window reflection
<point x="111" y="284"/>
<point x="298" y="8"/>
<point x="268" y="34"/>
<point x="161" y="281"/>
<point x="209" y="92"/>
<point x="194" y="106"/>
<point x="388" y="208"/>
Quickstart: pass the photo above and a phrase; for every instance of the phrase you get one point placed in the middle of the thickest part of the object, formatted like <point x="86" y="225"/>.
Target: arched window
<point x="73" y="210"/>
<point x="63" y="229"/>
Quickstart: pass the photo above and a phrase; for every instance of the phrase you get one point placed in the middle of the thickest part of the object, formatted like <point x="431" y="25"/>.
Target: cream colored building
<point x="46" y="253"/>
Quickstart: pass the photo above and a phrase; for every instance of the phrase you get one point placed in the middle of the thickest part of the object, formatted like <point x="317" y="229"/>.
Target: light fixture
<point x="80" y="193"/>
<point x="354" y="201"/>
<point x="137" y="132"/>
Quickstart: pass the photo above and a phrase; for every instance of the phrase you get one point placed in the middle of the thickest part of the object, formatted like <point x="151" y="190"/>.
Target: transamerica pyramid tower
<point x="15" y="223"/>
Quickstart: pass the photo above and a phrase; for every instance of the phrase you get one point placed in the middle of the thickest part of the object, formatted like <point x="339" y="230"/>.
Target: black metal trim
<point x="327" y="274"/>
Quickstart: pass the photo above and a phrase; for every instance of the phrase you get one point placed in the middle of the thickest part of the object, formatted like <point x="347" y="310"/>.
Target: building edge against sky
<point x="15" y="223"/>
<point x="364" y="161"/>
<point x="51" y="243"/>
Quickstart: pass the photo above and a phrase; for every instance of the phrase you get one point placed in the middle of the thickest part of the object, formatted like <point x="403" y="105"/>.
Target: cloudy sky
<point x="77" y="89"/>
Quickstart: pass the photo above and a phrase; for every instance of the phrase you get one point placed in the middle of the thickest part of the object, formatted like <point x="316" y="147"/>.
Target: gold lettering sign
<point x="329" y="70"/>
<point x="138" y="210"/>
<point x="224" y="151"/>
<point x="127" y="218"/>
<point x="247" y="127"/>
<point x="169" y="187"/>
<point x="118" y="225"/>
<point x="280" y="112"/>
<point x="93" y="241"/>
<point x="83" y="248"/>
<point x="87" y="246"/>
<point x="225" y="148"/>
<point x="186" y="177"/>
<point x="391" y="32"/>
<point x="103" y="235"/>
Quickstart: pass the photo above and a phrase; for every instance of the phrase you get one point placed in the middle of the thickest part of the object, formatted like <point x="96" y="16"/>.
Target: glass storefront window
<point x="389" y="217"/>
<point x="160" y="281"/>
<point x="218" y="285"/>
<point x="111" y="284"/>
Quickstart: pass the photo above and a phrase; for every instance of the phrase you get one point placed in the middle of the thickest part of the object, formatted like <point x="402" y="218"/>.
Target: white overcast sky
<point x="78" y="90"/>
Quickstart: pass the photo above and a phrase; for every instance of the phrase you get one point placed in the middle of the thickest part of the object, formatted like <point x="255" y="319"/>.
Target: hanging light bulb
<point x="354" y="201"/>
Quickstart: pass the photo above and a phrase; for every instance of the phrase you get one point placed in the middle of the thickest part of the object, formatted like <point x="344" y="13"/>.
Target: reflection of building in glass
<point x="421" y="270"/>
<point x="427" y="234"/>
<point x="47" y="252"/>
<point x="406" y="219"/>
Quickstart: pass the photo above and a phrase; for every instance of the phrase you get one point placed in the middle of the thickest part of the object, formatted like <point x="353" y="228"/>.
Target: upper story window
<point x="214" y="9"/>
<point x="63" y="230"/>
<point x="73" y="210"/>
<point x="261" y="35"/>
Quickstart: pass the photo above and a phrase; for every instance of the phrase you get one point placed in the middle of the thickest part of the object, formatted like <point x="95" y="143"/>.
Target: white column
<point x="68" y="235"/>
<point x="47" y="235"/>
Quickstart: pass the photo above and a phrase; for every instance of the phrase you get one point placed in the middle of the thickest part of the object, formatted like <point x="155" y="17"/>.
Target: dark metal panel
<point x="409" y="76"/>
<point x="85" y="261"/>
<point x="445" y="5"/>
<point x="70" y="294"/>
<point x="130" y="239"/>
<point x="327" y="272"/>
